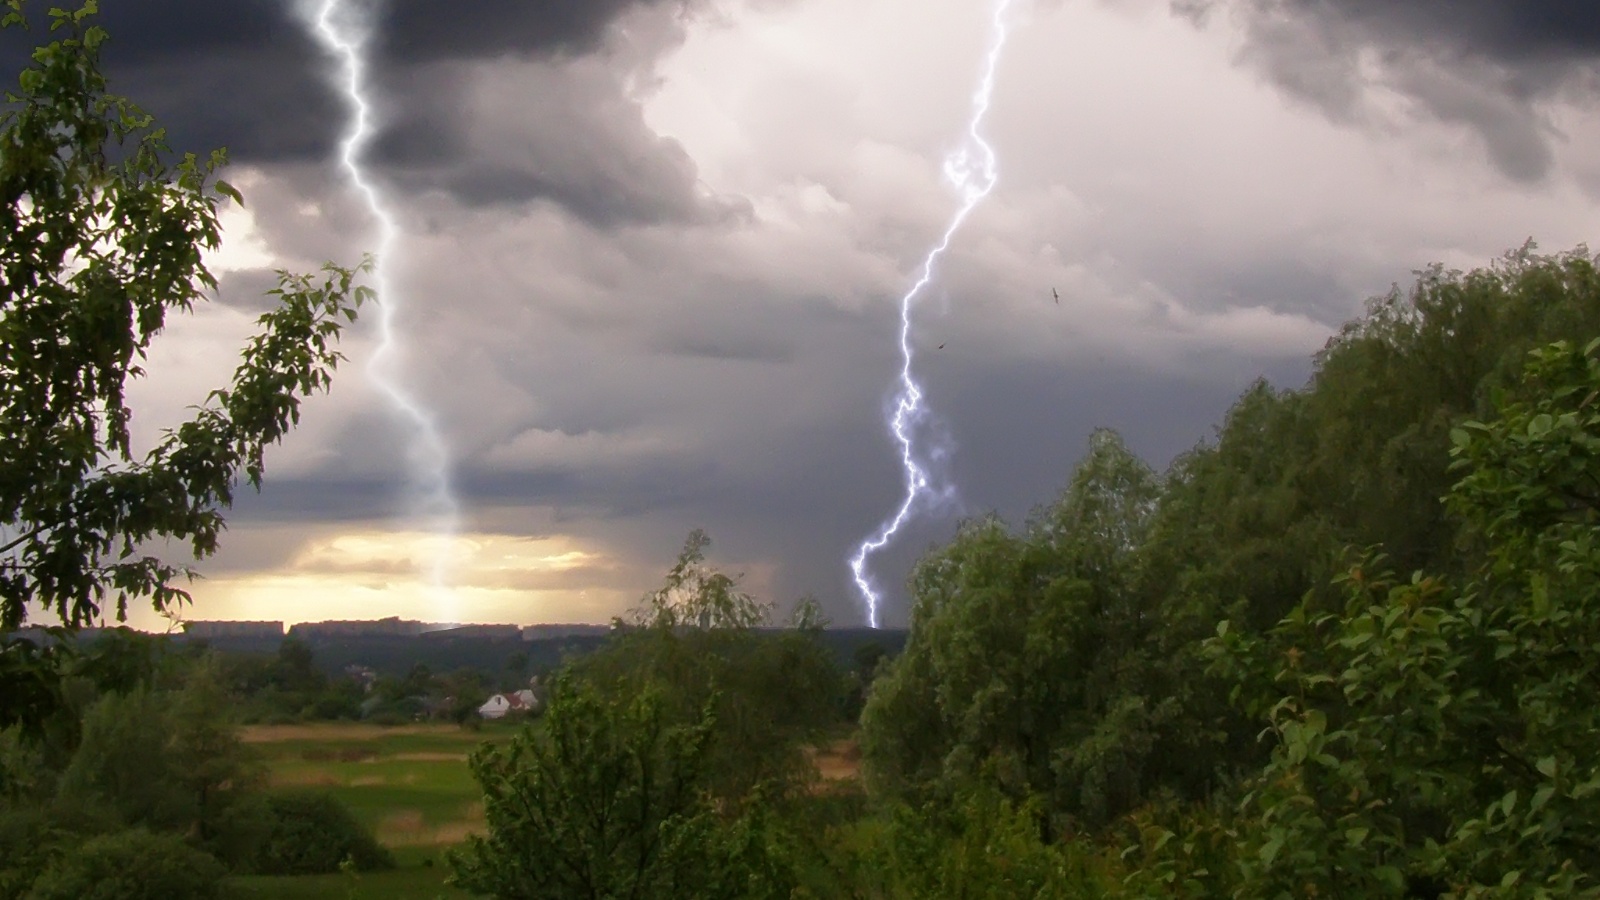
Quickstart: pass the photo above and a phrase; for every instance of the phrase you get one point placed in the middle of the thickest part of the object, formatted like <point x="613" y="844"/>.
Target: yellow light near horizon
<point x="373" y="574"/>
<point x="312" y="598"/>
<point x="472" y="555"/>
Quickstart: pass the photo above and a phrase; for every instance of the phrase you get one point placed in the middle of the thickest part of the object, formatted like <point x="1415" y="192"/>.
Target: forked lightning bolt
<point x="343" y="32"/>
<point x="972" y="168"/>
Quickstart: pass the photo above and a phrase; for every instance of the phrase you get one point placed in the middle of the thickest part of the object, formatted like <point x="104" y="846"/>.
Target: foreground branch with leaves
<point x="101" y="237"/>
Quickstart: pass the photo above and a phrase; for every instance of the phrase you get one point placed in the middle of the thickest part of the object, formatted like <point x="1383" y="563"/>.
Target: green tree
<point x="101" y="237"/>
<point x="168" y="761"/>
<point x="313" y="833"/>
<point x="131" y="865"/>
<point x="697" y="641"/>
<point x="1438" y="734"/>
<point x="1023" y="667"/>
<point x="980" y="847"/>
<point x="1252" y="523"/>
<point x="609" y="799"/>
<point x="295" y="669"/>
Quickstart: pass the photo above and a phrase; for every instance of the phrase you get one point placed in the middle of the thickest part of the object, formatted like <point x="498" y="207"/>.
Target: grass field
<point x="409" y="784"/>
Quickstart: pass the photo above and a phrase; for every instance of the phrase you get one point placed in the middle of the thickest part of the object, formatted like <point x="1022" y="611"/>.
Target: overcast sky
<point x="651" y="255"/>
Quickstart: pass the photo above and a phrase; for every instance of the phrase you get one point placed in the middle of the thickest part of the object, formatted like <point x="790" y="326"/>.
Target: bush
<point x="981" y="847"/>
<point x="131" y="865"/>
<point x="26" y="837"/>
<point x="311" y="833"/>
<point x="610" y="800"/>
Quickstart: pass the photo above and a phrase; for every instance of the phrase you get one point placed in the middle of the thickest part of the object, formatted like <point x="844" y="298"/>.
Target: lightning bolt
<point x="343" y="34"/>
<point x="972" y="168"/>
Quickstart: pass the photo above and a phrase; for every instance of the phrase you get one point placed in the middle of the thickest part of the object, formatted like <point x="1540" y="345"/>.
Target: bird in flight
<point x="941" y="346"/>
<point x="1057" y="294"/>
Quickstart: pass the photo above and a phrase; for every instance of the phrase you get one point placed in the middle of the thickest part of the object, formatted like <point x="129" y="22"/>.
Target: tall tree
<point x="610" y="799"/>
<point x="102" y="236"/>
<point x="1439" y="734"/>
<point x="697" y="641"/>
<point x="1024" y="663"/>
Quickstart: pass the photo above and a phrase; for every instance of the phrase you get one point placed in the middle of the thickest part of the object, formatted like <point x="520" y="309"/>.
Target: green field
<point x="409" y="784"/>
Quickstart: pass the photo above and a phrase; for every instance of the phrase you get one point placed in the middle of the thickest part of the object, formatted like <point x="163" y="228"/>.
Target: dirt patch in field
<point x="407" y="828"/>
<point x="838" y="761"/>
<point x="303" y="779"/>
<point x="339" y="754"/>
<point x="334" y="731"/>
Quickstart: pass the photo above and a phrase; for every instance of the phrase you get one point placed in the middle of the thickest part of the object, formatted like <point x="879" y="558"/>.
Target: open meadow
<point x="410" y="784"/>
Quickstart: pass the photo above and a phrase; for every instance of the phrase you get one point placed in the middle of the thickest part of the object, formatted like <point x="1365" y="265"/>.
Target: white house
<point x="498" y="705"/>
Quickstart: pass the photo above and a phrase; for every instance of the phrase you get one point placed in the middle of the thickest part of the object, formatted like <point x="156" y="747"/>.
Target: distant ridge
<point x="394" y="646"/>
<point x="393" y="626"/>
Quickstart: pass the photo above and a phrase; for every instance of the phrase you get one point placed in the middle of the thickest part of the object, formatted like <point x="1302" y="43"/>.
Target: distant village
<point x="525" y="700"/>
<point x="389" y="627"/>
<point x="395" y="670"/>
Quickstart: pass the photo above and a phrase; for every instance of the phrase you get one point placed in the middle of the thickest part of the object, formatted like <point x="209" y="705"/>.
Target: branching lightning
<point x="972" y="168"/>
<point x="343" y="33"/>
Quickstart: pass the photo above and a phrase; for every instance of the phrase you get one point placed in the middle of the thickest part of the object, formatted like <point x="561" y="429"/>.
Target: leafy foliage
<point x="131" y="865"/>
<point x="982" y="847"/>
<point x="610" y="801"/>
<point x="1016" y="664"/>
<point x="311" y="833"/>
<point x="1111" y="666"/>
<point x="168" y="761"/>
<point x="1442" y="736"/>
<point x="697" y="643"/>
<point x="665" y="758"/>
<point x="101" y="237"/>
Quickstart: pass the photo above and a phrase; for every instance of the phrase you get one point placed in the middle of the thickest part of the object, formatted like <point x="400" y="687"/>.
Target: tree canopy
<point x="1342" y="649"/>
<point x="103" y="232"/>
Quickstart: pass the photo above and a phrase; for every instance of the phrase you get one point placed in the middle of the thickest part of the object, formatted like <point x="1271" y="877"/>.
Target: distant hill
<point x="543" y="646"/>
<point x="392" y="646"/>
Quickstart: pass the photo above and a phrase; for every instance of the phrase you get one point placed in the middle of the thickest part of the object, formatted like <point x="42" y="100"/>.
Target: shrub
<point x="312" y="833"/>
<point x="131" y="865"/>
<point x="26" y="837"/>
<point x="610" y="800"/>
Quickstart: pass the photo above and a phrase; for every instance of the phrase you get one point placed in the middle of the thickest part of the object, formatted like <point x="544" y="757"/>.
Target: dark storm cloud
<point x="415" y="30"/>
<point x="241" y="75"/>
<point x="598" y="493"/>
<point x="338" y="497"/>
<point x="1515" y="31"/>
<point x="575" y="139"/>
<point x="1531" y="33"/>
<point x="246" y="75"/>
<point x="1482" y="64"/>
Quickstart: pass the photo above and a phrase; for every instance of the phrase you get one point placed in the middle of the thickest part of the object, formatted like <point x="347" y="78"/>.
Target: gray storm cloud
<point x="1487" y="65"/>
<point x="651" y="251"/>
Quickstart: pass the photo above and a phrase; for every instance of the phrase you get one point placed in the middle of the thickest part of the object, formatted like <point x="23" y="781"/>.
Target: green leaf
<point x="1508" y="802"/>
<point x="1269" y="850"/>
<point x="228" y="190"/>
<point x="1541" y="797"/>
